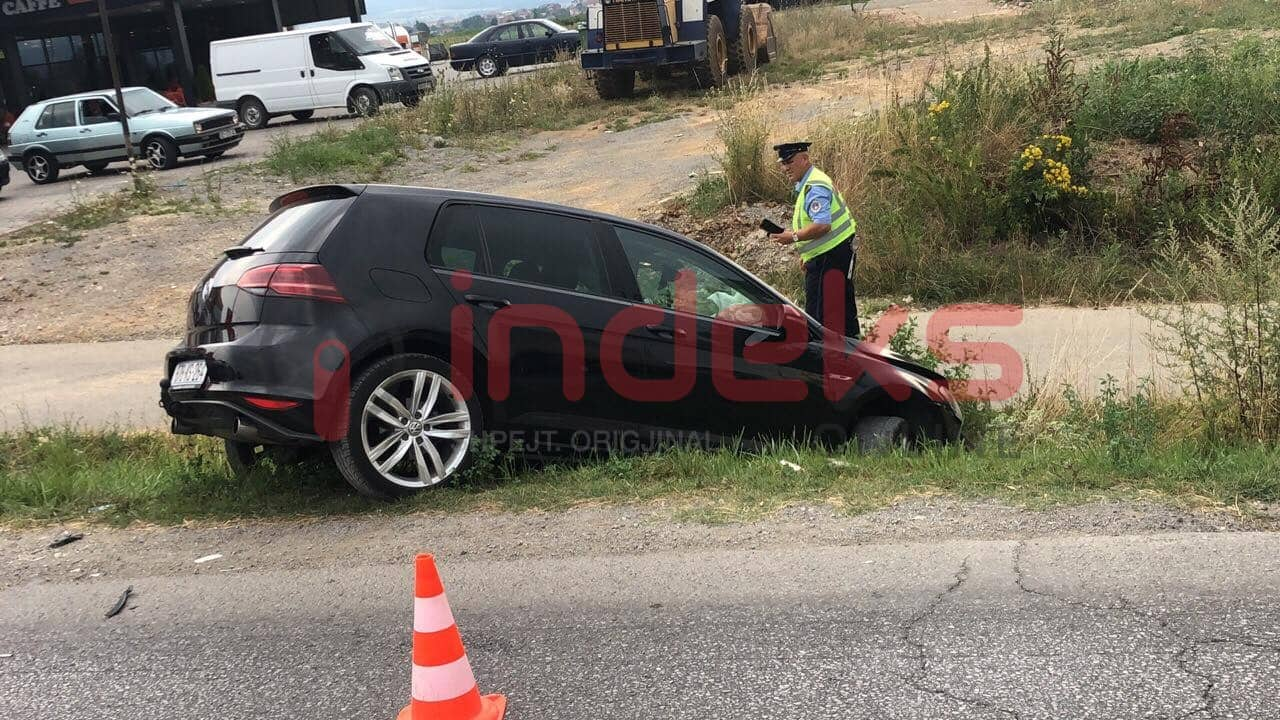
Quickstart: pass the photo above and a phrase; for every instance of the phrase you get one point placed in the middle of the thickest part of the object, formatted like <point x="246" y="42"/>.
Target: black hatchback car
<point x="402" y="327"/>
<point x="493" y="50"/>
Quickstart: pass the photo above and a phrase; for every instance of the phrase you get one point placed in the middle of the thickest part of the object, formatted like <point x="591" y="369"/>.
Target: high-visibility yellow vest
<point x="843" y="226"/>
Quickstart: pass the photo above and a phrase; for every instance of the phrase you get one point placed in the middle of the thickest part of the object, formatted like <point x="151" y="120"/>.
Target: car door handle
<point x="485" y="301"/>
<point x="41" y="134"/>
<point x="663" y="331"/>
<point x="302" y="73"/>
<point x="86" y="130"/>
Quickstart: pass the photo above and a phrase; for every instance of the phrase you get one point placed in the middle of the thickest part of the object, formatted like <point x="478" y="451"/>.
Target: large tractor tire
<point x="615" y="84"/>
<point x="762" y="51"/>
<point x="713" y="70"/>
<point x="742" y="52"/>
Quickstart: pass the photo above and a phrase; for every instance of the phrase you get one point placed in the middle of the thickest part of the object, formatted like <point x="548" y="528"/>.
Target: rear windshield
<point x="299" y="228"/>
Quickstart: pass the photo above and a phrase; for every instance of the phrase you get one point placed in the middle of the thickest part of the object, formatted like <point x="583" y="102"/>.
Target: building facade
<point x="55" y="47"/>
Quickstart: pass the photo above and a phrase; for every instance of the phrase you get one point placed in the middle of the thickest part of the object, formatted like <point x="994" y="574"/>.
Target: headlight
<point x="199" y="127"/>
<point x="395" y="73"/>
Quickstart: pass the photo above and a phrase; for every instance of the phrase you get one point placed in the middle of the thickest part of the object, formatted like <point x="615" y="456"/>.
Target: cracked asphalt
<point x="1172" y="625"/>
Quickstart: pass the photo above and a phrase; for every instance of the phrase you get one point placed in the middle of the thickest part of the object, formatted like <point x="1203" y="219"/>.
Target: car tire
<point x="303" y="115"/>
<point x="881" y="433"/>
<point x="615" y="84"/>
<point x="364" y="102"/>
<point x="95" y="168"/>
<point x="253" y="114"/>
<point x="742" y="52"/>
<point x="243" y="457"/>
<point x="160" y="152"/>
<point x="762" y="52"/>
<point x="437" y="437"/>
<point x="712" y="70"/>
<point x="42" y="167"/>
<point x="488" y="66"/>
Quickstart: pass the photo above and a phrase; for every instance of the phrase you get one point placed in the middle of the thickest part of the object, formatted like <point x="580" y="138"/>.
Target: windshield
<point x="555" y="26"/>
<point x="141" y="101"/>
<point x="367" y="40"/>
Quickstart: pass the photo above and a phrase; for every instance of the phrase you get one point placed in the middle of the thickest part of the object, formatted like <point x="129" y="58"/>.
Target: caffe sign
<point x="21" y="7"/>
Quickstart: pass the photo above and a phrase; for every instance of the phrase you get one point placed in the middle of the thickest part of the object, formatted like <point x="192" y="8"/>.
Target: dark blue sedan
<point x="509" y="45"/>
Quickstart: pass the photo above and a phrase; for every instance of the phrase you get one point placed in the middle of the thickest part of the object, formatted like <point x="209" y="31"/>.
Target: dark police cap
<point x="788" y="150"/>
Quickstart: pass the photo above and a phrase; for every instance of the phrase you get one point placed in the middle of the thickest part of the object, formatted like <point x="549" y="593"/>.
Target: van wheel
<point x="488" y="66"/>
<point x="364" y="102"/>
<point x="409" y="428"/>
<point x="253" y="114"/>
<point x="161" y="153"/>
<point x="41" y="167"/>
<point x="303" y="115"/>
<point x="881" y="433"/>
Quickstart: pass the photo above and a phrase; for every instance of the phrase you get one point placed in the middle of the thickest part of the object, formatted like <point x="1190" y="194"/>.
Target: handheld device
<point x="771" y="227"/>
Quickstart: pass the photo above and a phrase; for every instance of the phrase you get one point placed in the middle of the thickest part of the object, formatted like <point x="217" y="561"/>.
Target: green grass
<point x="57" y="475"/>
<point x="361" y="153"/>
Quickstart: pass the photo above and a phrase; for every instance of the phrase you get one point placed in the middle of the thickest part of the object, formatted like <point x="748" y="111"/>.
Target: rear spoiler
<point x="314" y="193"/>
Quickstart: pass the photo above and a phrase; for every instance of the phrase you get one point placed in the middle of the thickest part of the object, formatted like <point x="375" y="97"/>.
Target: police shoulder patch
<point x="815" y="206"/>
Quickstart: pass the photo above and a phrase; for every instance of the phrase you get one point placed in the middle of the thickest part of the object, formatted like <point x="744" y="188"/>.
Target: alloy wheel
<point x="156" y="155"/>
<point x="488" y="66"/>
<point x="415" y="428"/>
<point x="38" y="168"/>
<point x="251" y="116"/>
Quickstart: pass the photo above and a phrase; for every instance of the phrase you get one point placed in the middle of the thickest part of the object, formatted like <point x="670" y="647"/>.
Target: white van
<point x="356" y="66"/>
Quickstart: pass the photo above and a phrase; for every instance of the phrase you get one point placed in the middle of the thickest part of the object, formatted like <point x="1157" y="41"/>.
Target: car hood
<point x="396" y="59"/>
<point x="187" y="114"/>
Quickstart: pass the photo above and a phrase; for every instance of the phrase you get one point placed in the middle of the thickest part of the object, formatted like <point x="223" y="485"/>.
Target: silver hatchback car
<point x="84" y="129"/>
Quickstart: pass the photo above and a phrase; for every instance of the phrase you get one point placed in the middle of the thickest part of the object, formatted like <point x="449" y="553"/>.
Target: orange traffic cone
<point x="444" y="687"/>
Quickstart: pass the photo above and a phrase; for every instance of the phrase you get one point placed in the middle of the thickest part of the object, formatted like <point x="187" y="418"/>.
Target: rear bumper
<point x="682" y="53"/>
<point x="227" y="417"/>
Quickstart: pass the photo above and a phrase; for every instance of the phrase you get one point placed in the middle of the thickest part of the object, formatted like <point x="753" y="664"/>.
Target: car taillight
<point x="271" y="403"/>
<point x="306" y="280"/>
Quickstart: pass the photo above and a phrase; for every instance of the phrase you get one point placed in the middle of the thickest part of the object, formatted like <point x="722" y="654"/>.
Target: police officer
<point x="822" y="232"/>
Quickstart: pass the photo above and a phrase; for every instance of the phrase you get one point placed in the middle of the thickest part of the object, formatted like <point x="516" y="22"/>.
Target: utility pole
<point x="115" y="79"/>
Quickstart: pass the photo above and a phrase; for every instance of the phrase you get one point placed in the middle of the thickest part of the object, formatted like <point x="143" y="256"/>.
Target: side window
<point x="511" y="32"/>
<point x="545" y="249"/>
<point x="657" y="261"/>
<point x="57" y="115"/>
<point x="328" y="53"/>
<point x="455" y="240"/>
<point x="530" y="31"/>
<point x="96" y="111"/>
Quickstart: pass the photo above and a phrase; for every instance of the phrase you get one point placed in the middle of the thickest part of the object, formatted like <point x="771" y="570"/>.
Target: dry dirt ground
<point x="350" y="541"/>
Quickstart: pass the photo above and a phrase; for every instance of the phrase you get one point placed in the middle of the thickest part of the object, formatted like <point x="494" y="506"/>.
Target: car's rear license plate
<point x="226" y="134"/>
<point x="188" y="374"/>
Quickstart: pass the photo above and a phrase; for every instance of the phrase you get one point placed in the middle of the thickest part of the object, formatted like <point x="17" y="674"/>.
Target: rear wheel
<point x="711" y="71"/>
<point x="409" y="428"/>
<point x="41" y="167"/>
<point x="881" y="433"/>
<point x="488" y="66"/>
<point x="303" y="115"/>
<point x="364" y="102"/>
<point x="614" y="84"/>
<point x="742" y="52"/>
<point x="253" y="114"/>
<point x="161" y="153"/>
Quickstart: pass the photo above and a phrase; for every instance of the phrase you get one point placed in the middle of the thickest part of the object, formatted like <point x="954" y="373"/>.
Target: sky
<point x="427" y="10"/>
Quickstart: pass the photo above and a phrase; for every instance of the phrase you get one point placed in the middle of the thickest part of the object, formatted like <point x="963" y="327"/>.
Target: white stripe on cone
<point x="432" y="614"/>
<point x="442" y="682"/>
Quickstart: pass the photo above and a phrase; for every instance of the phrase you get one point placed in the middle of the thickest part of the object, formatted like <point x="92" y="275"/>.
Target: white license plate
<point x="188" y="374"/>
<point x="226" y="134"/>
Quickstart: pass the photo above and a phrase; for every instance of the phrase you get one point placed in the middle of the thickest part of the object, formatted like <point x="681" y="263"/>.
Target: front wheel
<point x="742" y="52"/>
<point x="409" y="428"/>
<point x="881" y="433"/>
<point x="253" y="114"/>
<point x="713" y="70"/>
<point x="161" y="153"/>
<point x="615" y="84"/>
<point x="364" y="102"/>
<point x="41" y="167"/>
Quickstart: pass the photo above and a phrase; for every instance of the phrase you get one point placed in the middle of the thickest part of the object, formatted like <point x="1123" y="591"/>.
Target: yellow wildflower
<point x="939" y="107"/>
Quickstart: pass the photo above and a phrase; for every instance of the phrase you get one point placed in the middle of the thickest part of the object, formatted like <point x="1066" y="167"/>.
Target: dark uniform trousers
<point x="840" y="261"/>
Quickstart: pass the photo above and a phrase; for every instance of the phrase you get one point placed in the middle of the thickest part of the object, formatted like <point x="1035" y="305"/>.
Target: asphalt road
<point x="1165" y="626"/>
